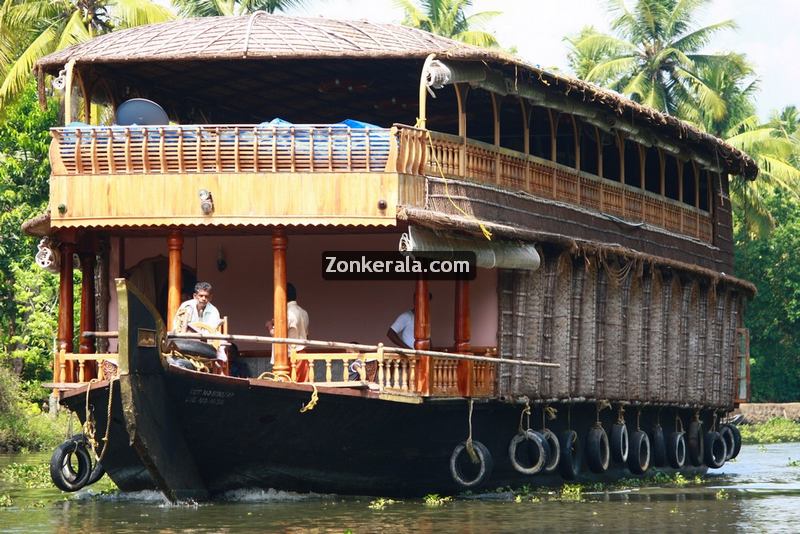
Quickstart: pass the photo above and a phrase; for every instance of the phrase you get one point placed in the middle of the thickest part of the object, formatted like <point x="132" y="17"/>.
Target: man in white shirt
<point x="297" y="323"/>
<point x="197" y="313"/>
<point x="401" y="333"/>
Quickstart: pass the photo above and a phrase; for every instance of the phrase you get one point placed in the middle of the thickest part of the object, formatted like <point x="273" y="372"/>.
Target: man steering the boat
<point x="197" y="314"/>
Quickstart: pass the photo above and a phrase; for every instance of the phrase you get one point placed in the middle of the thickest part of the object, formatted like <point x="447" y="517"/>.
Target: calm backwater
<point x="761" y="494"/>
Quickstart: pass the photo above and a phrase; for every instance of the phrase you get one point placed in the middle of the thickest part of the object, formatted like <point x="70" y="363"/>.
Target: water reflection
<point x="760" y="493"/>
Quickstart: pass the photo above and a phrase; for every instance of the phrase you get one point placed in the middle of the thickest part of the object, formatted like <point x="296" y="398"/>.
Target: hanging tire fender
<point x="716" y="452"/>
<point x="694" y="443"/>
<point x="532" y="441"/>
<point x="64" y="476"/>
<point x="598" y="451"/>
<point x="640" y="453"/>
<point x="619" y="443"/>
<point x="659" y="446"/>
<point x="97" y="471"/>
<point x="553" y="450"/>
<point x="569" y="464"/>
<point x="737" y="440"/>
<point x="485" y="465"/>
<point x="676" y="449"/>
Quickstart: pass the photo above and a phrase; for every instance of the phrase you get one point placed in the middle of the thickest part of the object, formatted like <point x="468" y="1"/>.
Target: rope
<point x="525" y="411"/>
<point x="678" y="424"/>
<point x="89" y="429"/>
<point x="468" y="445"/>
<point x="284" y="376"/>
<point x="621" y="415"/>
<point x="486" y="232"/>
<point x="312" y="402"/>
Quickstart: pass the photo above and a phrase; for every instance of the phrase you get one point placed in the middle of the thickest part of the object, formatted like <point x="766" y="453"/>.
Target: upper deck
<point x="502" y="143"/>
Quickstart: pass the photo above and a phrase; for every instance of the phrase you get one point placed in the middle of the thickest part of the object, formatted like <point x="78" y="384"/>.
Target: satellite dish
<point x="141" y="112"/>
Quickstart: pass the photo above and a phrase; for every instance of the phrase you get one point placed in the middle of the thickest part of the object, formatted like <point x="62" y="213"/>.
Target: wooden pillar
<point x="281" y="351"/>
<point x="463" y="327"/>
<point x="87" y="314"/>
<point x="422" y="336"/>
<point x="66" y="304"/>
<point x="175" y="246"/>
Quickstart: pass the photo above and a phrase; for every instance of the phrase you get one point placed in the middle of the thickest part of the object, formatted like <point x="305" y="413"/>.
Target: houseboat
<point x="600" y="336"/>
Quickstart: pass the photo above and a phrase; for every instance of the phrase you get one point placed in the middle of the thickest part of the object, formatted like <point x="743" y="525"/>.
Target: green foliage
<point x="27" y="294"/>
<point x="29" y="475"/>
<point x="215" y="8"/>
<point x="793" y="463"/>
<point x="773" y="316"/>
<point x="778" y="430"/>
<point x="22" y="423"/>
<point x="434" y="500"/>
<point x="31" y="29"/>
<point x="381" y="503"/>
<point x="655" y="56"/>
<point x="448" y="18"/>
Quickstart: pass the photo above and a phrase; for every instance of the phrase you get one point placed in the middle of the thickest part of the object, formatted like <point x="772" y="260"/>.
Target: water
<point x="761" y="494"/>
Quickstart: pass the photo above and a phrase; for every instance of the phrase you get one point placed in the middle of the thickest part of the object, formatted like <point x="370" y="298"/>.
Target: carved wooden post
<point x="87" y="310"/>
<point x="66" y="323"/>
<point x="463" y="327"/>
<point x="422" y="336"/>
<point x="175" y="246"/>
<point x="280" y="351"/>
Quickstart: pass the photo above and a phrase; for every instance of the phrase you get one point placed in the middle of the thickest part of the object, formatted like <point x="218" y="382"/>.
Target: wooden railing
<point x="62" y="373"/>
<point x="390" y="372"/>
<point x="454" y="158"/>
<point x="331" y="148"/>
<point x="222" y="149"/>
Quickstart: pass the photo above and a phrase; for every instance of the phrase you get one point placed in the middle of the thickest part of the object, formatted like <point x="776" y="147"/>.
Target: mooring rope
<point x="525" y="411"/>
<point x="468" y="445"/>
<point x="312" y="402"/>
<point x="89" y="430"/>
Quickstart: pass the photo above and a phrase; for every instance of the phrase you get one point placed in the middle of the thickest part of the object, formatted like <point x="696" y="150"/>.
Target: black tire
<point x="598" y="451"/>
<point x="676" y="450"/>
<point x="194" y="347"/>
<point x="727" y="436"/>
<point x="737" y="440"/>
<point x="716" y="452"/>
<point x="483" y="467"/>
<point x="553" y="450"/>
<point x="97" y="471"/>
<point x="659" y="446"/>
<point x="694" y="443"/>
<point x="569" y="464"/>
<point x="639" y="454"/>
<point x="619" y="443"/>
<point x="63" y="473"/>
<point x="530" y="446"/>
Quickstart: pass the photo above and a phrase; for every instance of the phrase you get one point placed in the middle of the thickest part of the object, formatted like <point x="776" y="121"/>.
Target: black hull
<point x="251" y="434"/>
<point x="193" y="435"/>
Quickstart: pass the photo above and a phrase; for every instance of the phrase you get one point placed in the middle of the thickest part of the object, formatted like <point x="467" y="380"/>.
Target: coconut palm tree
<point x="213" y="8"/>
<point x="31" y="29"/>
<point x="447" y="18"/>
<point x="654" y="57"/>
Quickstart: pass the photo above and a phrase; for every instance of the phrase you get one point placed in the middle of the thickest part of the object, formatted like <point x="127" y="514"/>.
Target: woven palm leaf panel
<point x="620" y="331"/>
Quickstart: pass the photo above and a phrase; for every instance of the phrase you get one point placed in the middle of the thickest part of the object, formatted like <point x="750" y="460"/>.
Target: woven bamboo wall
<point x="620" y="330"/>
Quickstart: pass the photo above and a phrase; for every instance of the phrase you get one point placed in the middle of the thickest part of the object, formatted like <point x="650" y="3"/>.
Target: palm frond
<point x="130" y="13"/>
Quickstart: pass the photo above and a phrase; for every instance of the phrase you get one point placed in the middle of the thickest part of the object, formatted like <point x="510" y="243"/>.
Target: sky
<point x="768" y="33"/>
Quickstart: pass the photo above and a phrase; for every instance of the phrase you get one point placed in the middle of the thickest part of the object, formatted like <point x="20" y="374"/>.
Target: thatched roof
<point x="277" y="37"/>
<point x="38" y="226"/>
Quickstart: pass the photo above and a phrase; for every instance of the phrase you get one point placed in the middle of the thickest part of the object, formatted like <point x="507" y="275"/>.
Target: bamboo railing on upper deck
<point x="333" y="148"/>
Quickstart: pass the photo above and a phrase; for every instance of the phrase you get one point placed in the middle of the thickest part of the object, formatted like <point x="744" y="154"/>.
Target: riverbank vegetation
<point x="778" y="430"/>
<point x="23" y="423"/>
